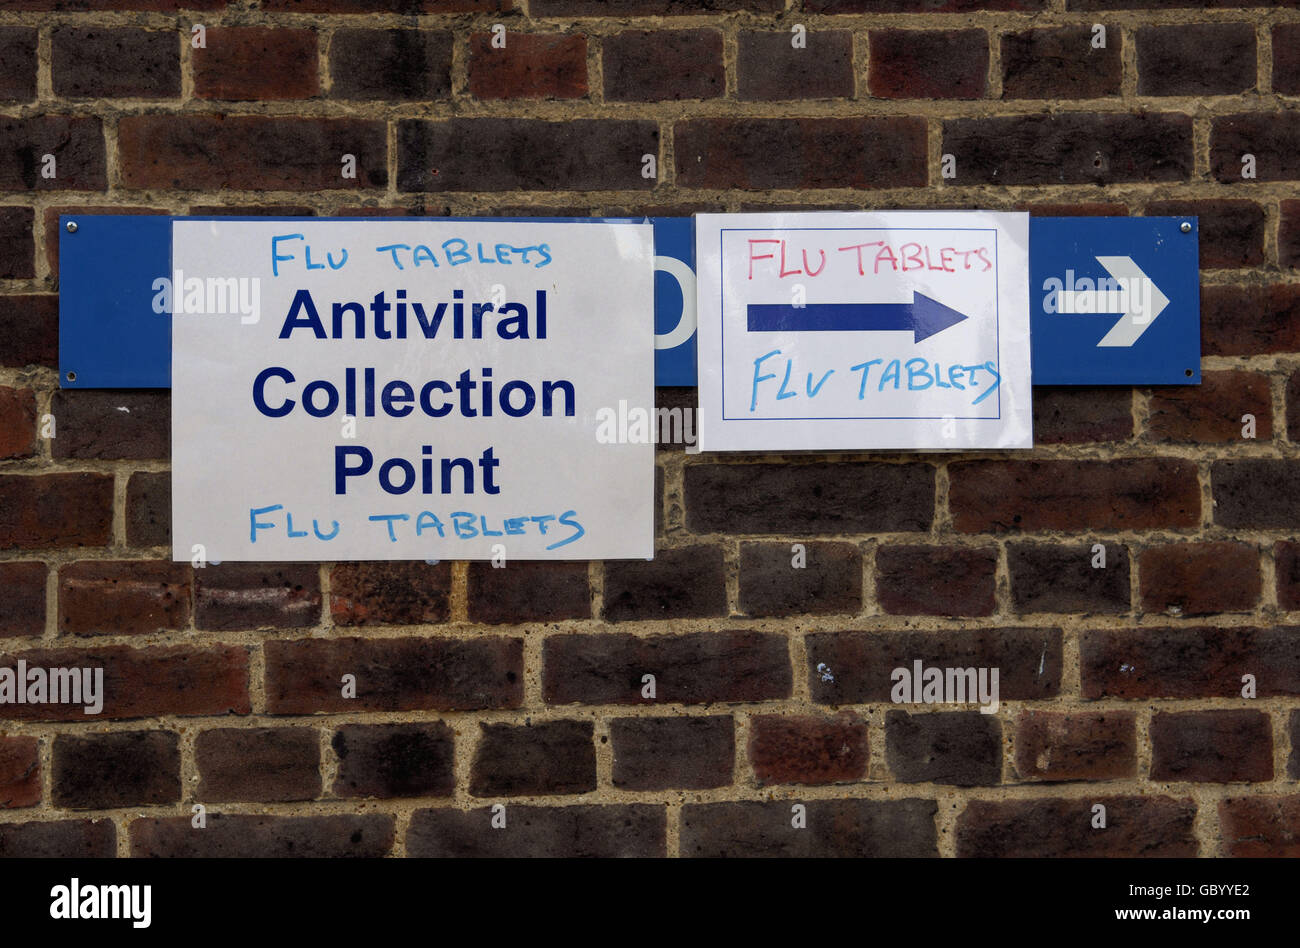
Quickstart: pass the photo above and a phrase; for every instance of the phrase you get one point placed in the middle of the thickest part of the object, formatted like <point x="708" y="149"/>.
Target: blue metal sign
<point x="1114" y="301"/>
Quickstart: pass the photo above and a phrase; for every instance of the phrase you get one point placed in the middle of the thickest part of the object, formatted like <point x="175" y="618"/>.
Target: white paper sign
<point x="409" y="389"/>
<point x="898" y="329"/>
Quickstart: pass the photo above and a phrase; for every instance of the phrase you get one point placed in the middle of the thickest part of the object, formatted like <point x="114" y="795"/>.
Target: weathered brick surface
<point x="848" y="828"/>
<point x="236" y="836"/>
<point x="929" y="64"/>
<point x="264" y="764"/>
<point x="29" y="330"/>
<point x="247" y="63"/>
<point x="936" y="581"/>
<point x="66" y="839"/>
<point x="1212" y="412"/>
<point x="778" y="580"/>
<point x="1062" y="577"/>
<point x="1254" y="320"/>
<point x="390" y="64"/>
<point x="94" y="62"/>
<point x="651" y="65"/>
<point x="676" y="753"/>
<point x="1196" y="579"/>
<point x="18" y="53"/>
<point x="1255" y="492"/>
<point x="149" y="509"/>
<point x="1052" y="828"/>
<point x="20" y="772"/>
<point x="389" y="593"/>
<point x="1209" y="59"/>
<point x="22" y="607"/>
<point x="394" y="760"/>
<point x="124" y="597"/>
<point x="676" y="584"/>
<point x="1060" y="62"/>
<point x="963" y="748"/>
<point x="1071" y="415"/>
<point x="253" y="595"/>
<point x="808" y="749"/>
<point x="125" y="768"/>
<point x="55" y="510"/>
<point x="528" y="592"/>
<point x="770" y="68"/>
<point x="1216" y="746"/>
<point x="111" y="425"/>
<point x="540" y="831"/>
<point x="17" y="261"/>
<point x="1230" y="233"/>
<point x="551" y="757"/>
<point x="17" y="423"/>
<point x="76" y="142"/>
<point x="530" y="66"/>
<point x="1261" y="826"/>
<point x="1274" y="140"/>
<point x="1054" y="746"/>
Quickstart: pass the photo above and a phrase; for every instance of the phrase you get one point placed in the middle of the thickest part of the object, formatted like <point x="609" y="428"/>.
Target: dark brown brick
<point x="390" y="64"/>
<point x="1187" y="662"/>
<point x="827" y="581"/>
<point x="1293" y="765"/>
<point x="1172" y="4"/>
<point x="95" y="62"/>
<point x="243" y="63"/>
<point x="1073" y="209"/>
<point x="1070" y="148"/>
<point x="20" y="772"/>
<point x="17" y="252"/>
<point x="123" y="597"/>
<point x="1211" y="746"/>
<point x="385" y="593"/>
<point x="1070" y="415"/>
<point x="77" y="145"/>
<point x="843" y="498"/>
<point x="1288" y="234"/>
<point x="254" y="210"/>
<point x="1061" y="63"/>
<point x="124" y="768"/>
<point x="22" y="607"/>
<point x="918" y="6"/>
<point x="229" y="835"/>
<point x="770" y="69"/>
<point x="1286" y="58"/>
<point x="1196" y="579"/>
<point x="1254" y="320"/>
<point x="29" y="330"/>
<point x="1286" y="557"/>
<point x="758" y="154"/>
<point x="395" y="760"/>
<point x="693" y="668"/>
<point x="528" y="592"/>
<point x="250" y="152"/>
<point x="548" y="757"/>
<point x="1053" y="746"/>
<point x="63" y="839"/>
<point x="149" y="509"/>
<point x="17" y="63"/>
<point x="1196" y="59"/>
<point x="530" y="66"/>
<point x="256" y="595"/>
<point x="961" y="748"/>
<point x="555" y="832"/>
<point x="111" y="424"/>
<point x="936" y="580"/>
<point x="677" y="584"/>
<point x="305" y="676"/>
<point x="848" y="828"/>
<point x="142" y="683"/>
<point x="55" y="510"/>
<point x="1255" y="827"/>
<point x="1054" y="828"/>
<point x="82" y="6"/>
<point x="517" y="154"/>
<point x="1272" y="137"/>
<point x="1256" y="492"/>
<point x="1230" y="233"/>
<point x="806" y="749"/>
<point x="265" y="764"/>
<point x="676" y="753"/>
<point x="408" y="7"/>
<point x="1211" y="412"/>
<point x="929" y="64"/>
<point x="607" y="8"/>
<point x="17" y="423"/>
<point x="1122" y="494"/>
<point x="856" y="667"/>
<point x="1056" y="577"/>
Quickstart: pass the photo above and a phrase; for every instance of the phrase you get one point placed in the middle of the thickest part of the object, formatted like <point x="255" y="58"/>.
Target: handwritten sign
<point x="901" y="329"/>
<point x="409" y="389"/>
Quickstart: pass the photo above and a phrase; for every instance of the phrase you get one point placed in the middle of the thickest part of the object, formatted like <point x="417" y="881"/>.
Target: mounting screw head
<point x="1185" y="227"/>
<point x="71" y="227"/>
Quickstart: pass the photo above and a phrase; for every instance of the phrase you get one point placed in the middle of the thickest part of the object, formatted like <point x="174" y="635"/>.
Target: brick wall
<point x="1120" y="686"/>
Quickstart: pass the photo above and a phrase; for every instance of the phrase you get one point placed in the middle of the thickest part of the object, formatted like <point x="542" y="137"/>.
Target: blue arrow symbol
<point x="923" y="316"/>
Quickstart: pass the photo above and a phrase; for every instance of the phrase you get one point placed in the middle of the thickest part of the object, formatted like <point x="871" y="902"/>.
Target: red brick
<point x="929" y="64"/>
<point x="1127" y="494"/>
<point x="17" y="63"/>
<point x="256" y="595"/>
<point x="229" y="835"/>
<point x="528" y="592"/>
<point x="1286" y="556"/>
<point x="557" y="832"/>
<point x="249" y="152"/>
<point x="1272" y="137"/>
<point x="386" y="593"/>
<point x="856" y="667"/>
<point x="53" y="231"/>
<point x="20" y="772"/>
<point x="111" y="424"/>
<point x="251" y="210"/>
<point x="1230" y="233"/>
<point x="692" y="668"/>
<point x="67" y="839"/>
<point x="392" y="65"/>
<point x="1060" y="577"/>
<point x="806" y="749"/>
<point x="919" y="6"/>
<point x="142" y="683"/>
<point x="17" y="423"/>
<point x="936" y="580"/>
<point x="518" y="154"/>
<point x="76" y="143"/>
<point x="22" y="607"/>
<point x="675" y="753"/>
<point x="1195" y="579"/>
<point x="305" y="676"/>
<point x="677" y="584"/>
<point x="1256" y="492"/>
<point x="606" y="8"/>
<point x="127" y="597"/>
<point x="1061" y="63"/>
<point x="82" y="6"/>
<point x="1288" y="234"/>
<point x="959" y="748"/>
<point x="29" y="330"/>
<point x="395" y="760"/>
<point x="652" y="65"/>
<point x="242" y="63"/>
<point x="1286" y="58"/>
<point x="543" y="758"/>
<point x="1070" y="148"/>
<point x="55" y="510"/>
<point x="1211" y="746"/>
<point x="758" y="154"/>
<point x="829" y="580"/>
<point x="1080" y="209"/>
<point x="149" y="509"/>
<point x="124" y="768"/>
<point x="1052" y="746"/>
<point x="1212" y="411"/>
<point x="1201" y="59"/>
<point x="1054" y="828"/>
<point x="1187" y="662"/>
<point x="94" y="62"/>
<point x="846" y="828"/>
<point x="770" y="69"/>
<point x="530" y="66"/>
<point x="17" y="254"/>
<point x="1250" y="320"/>
<point x="1073" y="415"/>
<point x="263" y="764"/>
<point x="1255" y="827"/>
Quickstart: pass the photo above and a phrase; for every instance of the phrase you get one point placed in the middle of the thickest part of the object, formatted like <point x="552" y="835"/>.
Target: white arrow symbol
<point x="1137" y="299"/>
